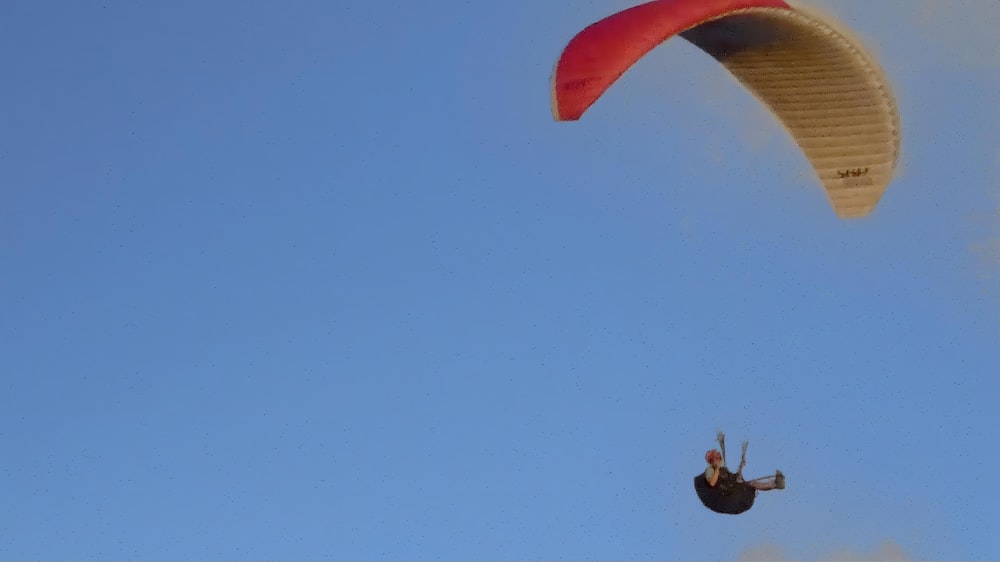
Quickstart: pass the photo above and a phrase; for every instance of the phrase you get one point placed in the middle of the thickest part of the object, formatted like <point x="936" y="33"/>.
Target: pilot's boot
<point x="779" y="480"/>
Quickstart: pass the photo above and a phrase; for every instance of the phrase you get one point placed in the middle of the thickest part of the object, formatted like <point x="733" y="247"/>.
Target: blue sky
<point x="312" y="279"/>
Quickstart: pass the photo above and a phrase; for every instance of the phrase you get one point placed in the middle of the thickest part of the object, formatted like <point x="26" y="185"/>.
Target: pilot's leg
<point x="776" y="482"/>
<point x="762" y="485"/>
<point x="743" y="461"/>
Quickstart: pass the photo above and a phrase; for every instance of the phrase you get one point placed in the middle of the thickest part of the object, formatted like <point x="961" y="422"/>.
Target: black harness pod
<point x="730" y="495"/>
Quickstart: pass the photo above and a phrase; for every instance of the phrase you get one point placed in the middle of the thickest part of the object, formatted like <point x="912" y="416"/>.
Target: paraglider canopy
<point x="818" y="81"/>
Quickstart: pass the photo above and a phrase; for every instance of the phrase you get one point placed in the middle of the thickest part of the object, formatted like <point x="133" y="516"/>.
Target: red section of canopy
<point x="602" y="52"/>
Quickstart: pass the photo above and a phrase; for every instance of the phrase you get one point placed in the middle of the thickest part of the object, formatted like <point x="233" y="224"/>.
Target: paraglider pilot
<point x="716" y="469"/>
<point x="723" y="491"/>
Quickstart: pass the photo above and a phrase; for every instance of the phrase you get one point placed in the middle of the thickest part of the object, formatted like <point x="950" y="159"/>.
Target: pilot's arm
<point x="712" y="475"/>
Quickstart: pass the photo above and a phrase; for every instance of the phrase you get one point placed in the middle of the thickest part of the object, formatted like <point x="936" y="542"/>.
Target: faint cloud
<point x="763" y="553"/>
<point x="755" y="127"/>
<point x="886" y="551"/>
<point x="965" y="28"/>
<point x="989" y="250"/>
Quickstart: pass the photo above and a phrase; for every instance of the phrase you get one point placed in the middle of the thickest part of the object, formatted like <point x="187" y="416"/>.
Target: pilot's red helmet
<point x="711" y="455"/>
